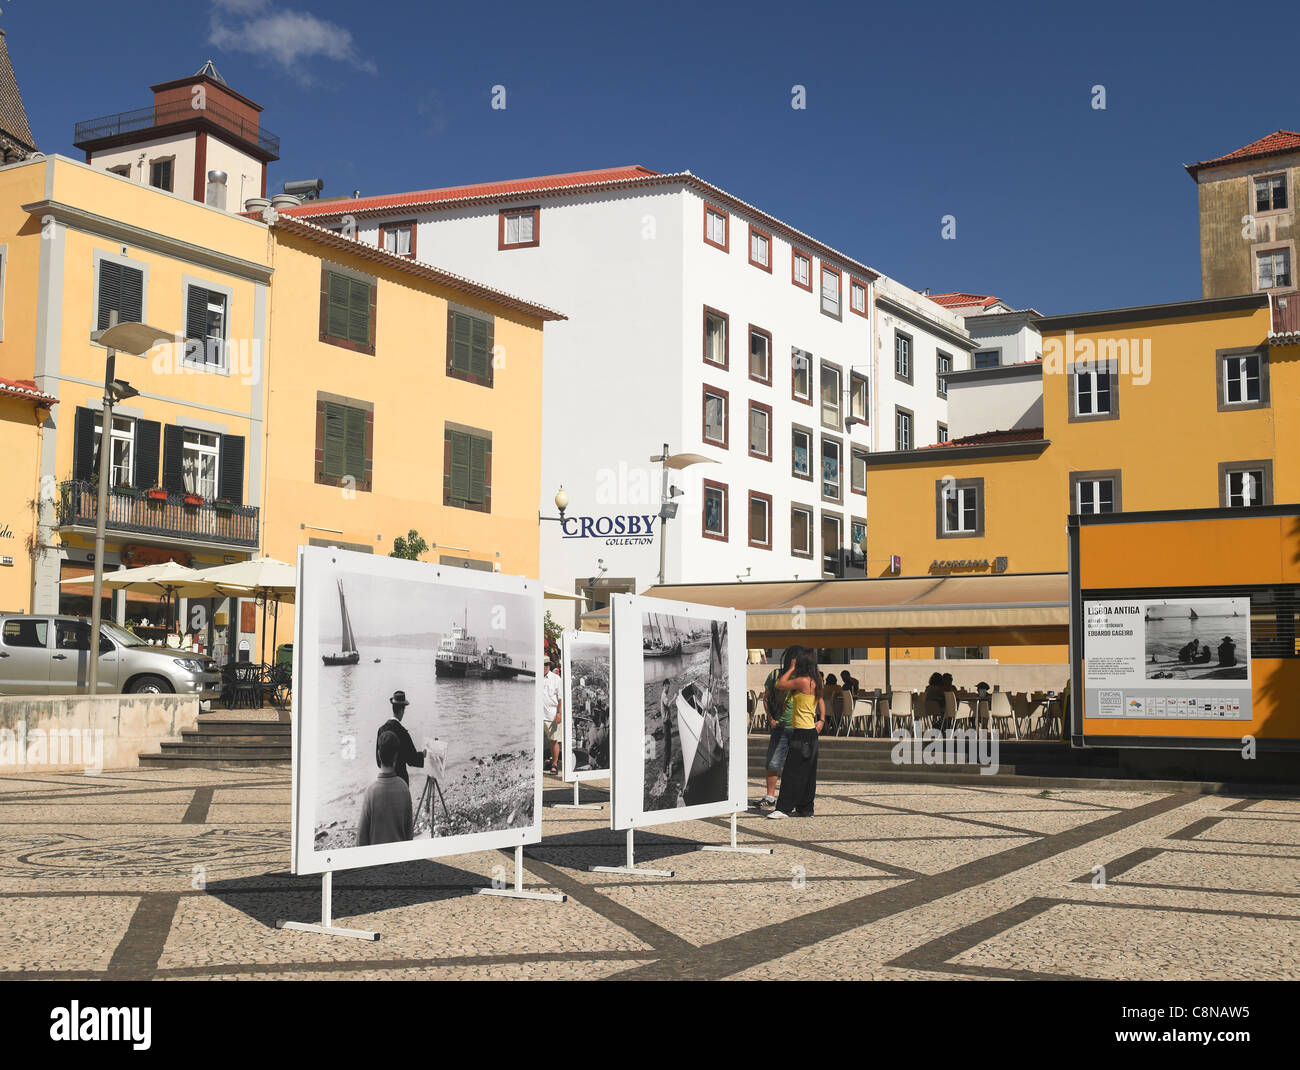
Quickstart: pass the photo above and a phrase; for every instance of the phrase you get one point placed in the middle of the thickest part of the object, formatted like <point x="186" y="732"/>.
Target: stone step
<point x="227" y="751"/>
<point x="235" y="726"/>
<point x="181" y="761"/>
<point x="223" y="738"/>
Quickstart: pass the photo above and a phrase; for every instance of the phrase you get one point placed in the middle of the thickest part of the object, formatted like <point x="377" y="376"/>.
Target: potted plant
<point x="193" y="499"/>
<point x="223" y="505"/>
<point x="156" y="494"/>
<point x="123" y="491"/>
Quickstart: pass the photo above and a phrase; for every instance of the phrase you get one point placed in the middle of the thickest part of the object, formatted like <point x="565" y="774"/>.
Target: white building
<point x="700" y="322"/>
<point x="1002" y="334"/>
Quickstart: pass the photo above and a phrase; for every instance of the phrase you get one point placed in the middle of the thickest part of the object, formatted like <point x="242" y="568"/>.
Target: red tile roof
<point x="1286" y="320"/>
<point x="1277" y="142"/>
<point x="991" y="438"/>
<point x="25" y="388"/>
<point x="514" y="187"/>
<point x="961" y="300"/>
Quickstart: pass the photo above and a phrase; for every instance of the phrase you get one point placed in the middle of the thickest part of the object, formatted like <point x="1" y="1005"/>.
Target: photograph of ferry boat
<point x="687" y="711"/>
<point x="443" y="660"/>
<point x="586" y="705"/>
<point x="1197" y="639"/>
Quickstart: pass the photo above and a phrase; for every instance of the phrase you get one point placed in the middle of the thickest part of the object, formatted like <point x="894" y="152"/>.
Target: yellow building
<point x="1178" y="406"/>
<point x="23" y="408"/>
<point x="399" y="396"/>
<point x="79" y="245"/>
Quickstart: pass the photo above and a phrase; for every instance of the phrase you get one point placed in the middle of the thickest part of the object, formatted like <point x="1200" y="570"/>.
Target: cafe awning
<point x="1010" y="609"/>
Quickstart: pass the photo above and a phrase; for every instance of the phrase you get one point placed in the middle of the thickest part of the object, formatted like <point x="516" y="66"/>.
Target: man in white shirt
<point x="553" y="714"/>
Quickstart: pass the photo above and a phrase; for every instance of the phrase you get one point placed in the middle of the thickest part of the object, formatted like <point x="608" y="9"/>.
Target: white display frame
<point x="304" y="858"/>
<point x="568" y="641"/>
<point x="627" y="720"/>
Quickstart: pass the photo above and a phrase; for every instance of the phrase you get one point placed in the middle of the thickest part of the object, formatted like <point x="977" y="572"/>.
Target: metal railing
<point x="234" y="525"/>
<point x="128" y="122"/>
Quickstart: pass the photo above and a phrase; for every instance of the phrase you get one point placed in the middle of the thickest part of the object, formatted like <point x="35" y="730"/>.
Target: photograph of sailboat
<point x="687" y="711"/>
<point x="1208" y="640"/>
<point x="348" y="653"/>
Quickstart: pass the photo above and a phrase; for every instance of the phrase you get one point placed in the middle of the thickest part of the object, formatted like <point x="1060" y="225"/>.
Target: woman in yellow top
<point x="799" y="779"/>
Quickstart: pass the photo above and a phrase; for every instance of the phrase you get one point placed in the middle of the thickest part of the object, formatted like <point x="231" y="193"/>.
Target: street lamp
<point x="668" y="507"/>
<point x="135" y="338"/>
<point x="561" y="503"/>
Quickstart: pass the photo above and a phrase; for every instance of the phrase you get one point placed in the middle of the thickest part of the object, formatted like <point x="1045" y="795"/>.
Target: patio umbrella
<point x="262" y="577"/>
<point x="168" y="578"/>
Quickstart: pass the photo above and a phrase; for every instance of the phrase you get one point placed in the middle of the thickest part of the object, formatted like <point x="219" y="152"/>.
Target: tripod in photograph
<point x="427" y="797"/>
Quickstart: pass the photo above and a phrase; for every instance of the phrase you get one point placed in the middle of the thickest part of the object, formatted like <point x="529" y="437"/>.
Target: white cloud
<point x="287" y="38"/>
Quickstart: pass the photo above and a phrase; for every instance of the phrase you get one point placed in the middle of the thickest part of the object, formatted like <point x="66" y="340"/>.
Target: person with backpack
<point x="808" y="718"/>
<point x="780" y="711"/>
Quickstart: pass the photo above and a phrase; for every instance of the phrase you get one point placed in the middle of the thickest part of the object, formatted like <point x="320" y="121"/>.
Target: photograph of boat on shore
<point x="1197" y="639"/>
<point x="443" y="662"/>
<point x="586" y="673"/>
<point x="680" y="709"/>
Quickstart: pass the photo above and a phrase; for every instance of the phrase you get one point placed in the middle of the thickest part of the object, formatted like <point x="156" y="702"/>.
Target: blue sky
<point x="980" y="111"/>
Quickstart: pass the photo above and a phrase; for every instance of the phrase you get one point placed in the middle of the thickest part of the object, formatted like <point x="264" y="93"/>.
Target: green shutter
<point x="337" y="323"/>
<point x="462" y="340"/>
<point x="481" y="360"/>
<point x="477" y="470"/>
<point x="356" y="444"/>
<point x="460" y="466"/>
<point x="359" y="312"/>
<point x="335" y="439"/>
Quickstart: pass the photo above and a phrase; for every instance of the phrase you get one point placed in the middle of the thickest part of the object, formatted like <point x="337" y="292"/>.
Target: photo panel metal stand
<point x="326" y="926"/>
<point x="631" y="866"/>
<point x="577" y="803"/>
<point x="734" y="847"/>
<point x="518" y="892"/>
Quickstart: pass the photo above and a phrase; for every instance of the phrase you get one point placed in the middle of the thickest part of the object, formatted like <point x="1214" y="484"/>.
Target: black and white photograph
<point x="422" y="684"/>
<point x="586" y="706"/>
<point x="1197" y="639"/>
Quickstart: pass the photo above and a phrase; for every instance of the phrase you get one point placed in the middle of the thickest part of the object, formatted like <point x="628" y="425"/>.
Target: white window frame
<point x="904" y="440"/>
<point x="829" y="444"/>
<point x="395" y="231"/>
<point x="797" y="354"/>
<point x="1093" y="393"/>
<point x="191" y="454"/>
<point x="1234" y="372"/>
<point x="838" y="422"/>
<point x="722" y="399"/>
<point x="767" y="522"/>
<point x="1094" y="496"/>
<point x="808" y="454"/>
<point x="803" y="278"/>
<point x="1282" y="253"/>
<point x="967" y="499"/>
<point x="123" y="433"/>
<point x="807" y="514"/>
<point x="715" y="226"/>
<point x="766" y="377"/>
<point x="1255" y="475"/>
<point x="831" y="299"/>
<point x="857" y="291"/>
<point x="760" y="243"/>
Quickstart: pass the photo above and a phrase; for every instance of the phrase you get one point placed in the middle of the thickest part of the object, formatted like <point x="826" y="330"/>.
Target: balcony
<point x="137" y="514"/>
<point x="88" y="133"/>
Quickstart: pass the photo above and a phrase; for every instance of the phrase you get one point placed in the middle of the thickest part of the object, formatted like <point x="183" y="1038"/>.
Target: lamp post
<point x="138" y="339"/>
<point x="668" y="507"/>
<point x="561" y="503"/>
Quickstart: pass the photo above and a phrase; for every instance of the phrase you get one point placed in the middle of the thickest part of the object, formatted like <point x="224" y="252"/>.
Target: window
<point x="517" y="228"/>
<point x="801" y="269"/>
<point x="903" y="356"/>
<point x="801" y="452"/>
<point x="122" y="171"/>
<point x="857" y="535"/>
<point x="1273" y="269"/>
<point x="988" y="358"/>
<point x="1243" y="378"/>
<point x="399" y="238"/>
<point x="760" y="431"/>
<point x="830" y="395"/>
<point x="715" y="416"/>
<point x="961" y="653"/>
<point x="1245" y="483"/>
<point x="858" y="296"/>
<point x="760" y="520"/>
<point x="715" y="337"/>
<point x="903" y="429"/>
<point x="941" y="433"/>
<point x="858" y="398"/>
<point x="801" y="375"/>
<point x="801" y="519"/>
<point x="30" y="633"/>
<point x="469" y="347"/>
<point x="121" y="449"/>
<point x="160" y="173"/>
<point x="716" y="226"/>
<point x="1270" y="193"/>
<point x="1093" y="394"/>
<point x="344" y="453"/>
<point x="120" y="289"/>
<point x="205" y="326"/>
<point x="832" y="536"/>
<point x="959" y="508"/>
<point x="830" y="291"/>
<point x="942" y="366"/>
<point x="348" y="311"/>
<point x="715" y="510"/>
<point x="467" y="468"/>
<point x="1095" y="492"/>
<point x="760" y="248"/>
<point x="760" y="355"/>
<point x="858" y="471"/>
<point x="831" y="455"/>
<point x="200" y="454"/>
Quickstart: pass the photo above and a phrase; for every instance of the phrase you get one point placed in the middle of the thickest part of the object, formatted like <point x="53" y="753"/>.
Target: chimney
<point x="216" y="197"/>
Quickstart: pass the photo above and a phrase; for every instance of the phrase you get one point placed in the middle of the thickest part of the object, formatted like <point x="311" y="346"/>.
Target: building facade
<point x="699" y="323"/>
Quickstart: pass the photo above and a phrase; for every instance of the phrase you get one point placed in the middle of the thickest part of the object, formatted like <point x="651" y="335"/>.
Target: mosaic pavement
<point x="182" y="874"/>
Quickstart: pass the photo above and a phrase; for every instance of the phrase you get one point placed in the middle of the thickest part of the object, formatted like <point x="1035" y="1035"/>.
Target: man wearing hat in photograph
<point x="406" y="752"/>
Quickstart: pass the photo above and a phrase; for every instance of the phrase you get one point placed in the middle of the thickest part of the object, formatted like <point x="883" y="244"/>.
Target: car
<point x="50" y="655"/>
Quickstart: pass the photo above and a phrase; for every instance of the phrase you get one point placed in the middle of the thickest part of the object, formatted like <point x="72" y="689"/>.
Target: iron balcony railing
<point x="234" y="525"/>
<point x="128" y="122"/>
